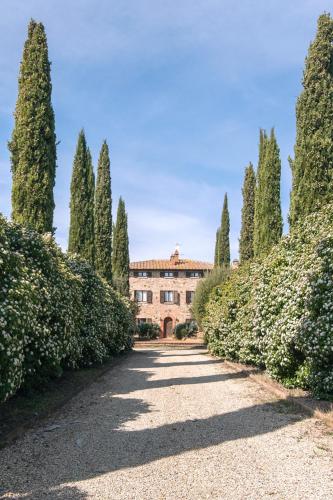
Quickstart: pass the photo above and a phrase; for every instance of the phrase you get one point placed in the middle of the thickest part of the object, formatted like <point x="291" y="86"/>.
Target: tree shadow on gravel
<point x="101" y="442"/>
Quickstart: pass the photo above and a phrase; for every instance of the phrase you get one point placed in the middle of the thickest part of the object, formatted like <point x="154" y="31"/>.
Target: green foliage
<point x="33" y="143"/>
<point x="217" y="248"/>
<point x="103" y="216"/>
<point x="180" y="331"/>
<point x="259" y="194"/>
<point x="148" y="330"/>
<point x="246" y="235"/>
<point x="81" y="231"/>
<point x="277" y="313"/>
<point x="205" y="286"/>
<point x="267" y="216"/>
<point x="184" y="330"/>
<point x="223" y="255"/>
<point x="120" y="256"/>
<point x="312" y="167"/>
<point x="55" y="312"/>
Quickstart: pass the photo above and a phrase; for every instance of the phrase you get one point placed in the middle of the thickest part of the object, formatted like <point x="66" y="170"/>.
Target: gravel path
<point x="172" y="424"/>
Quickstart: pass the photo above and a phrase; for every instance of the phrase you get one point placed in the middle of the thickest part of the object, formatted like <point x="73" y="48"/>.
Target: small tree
<point x="120" y="255"/>
<point x="81" y="231"/>
<point x="103" y="216"/>
<point x="224" y="252"/>
<point x="205" y="286"/>
<point x="33" y="143"/>
<point x="246" y="236"/>
<point x="217" y="248"/>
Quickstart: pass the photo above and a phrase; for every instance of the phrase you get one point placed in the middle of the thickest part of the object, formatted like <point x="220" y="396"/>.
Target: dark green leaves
<point x="33" y="144"/>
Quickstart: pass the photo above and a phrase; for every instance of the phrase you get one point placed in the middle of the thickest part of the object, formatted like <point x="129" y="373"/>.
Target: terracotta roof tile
<point x="182" y="264"/>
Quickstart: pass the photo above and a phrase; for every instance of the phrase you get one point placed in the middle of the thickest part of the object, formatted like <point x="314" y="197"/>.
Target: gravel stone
<point x="172" y="424"/>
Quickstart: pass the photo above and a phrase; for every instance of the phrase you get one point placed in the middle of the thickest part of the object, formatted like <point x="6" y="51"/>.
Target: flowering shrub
<point x="55" y="311"/>
<point x="278" y="313"/>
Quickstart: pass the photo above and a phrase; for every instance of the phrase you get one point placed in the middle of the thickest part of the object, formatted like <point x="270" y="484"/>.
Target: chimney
<point x="175" y="257"/>
<point x="235" y="264"/>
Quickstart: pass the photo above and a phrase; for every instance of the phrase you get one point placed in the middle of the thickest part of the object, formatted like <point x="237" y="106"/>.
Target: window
<point x="168" y="296"/>
<point x="169" y="274"/>
<point x="142" y="274"/>
<point x="143" y="296"/>
<point x="189" y="297"/>
<point x="143" y="320"/>
<point x="194" y="274"/>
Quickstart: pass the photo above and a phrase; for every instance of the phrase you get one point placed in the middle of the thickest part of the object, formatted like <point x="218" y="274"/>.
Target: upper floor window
<point x="194" y="274"/>
<point x="169" y="274"/>
<point x="142" y="274"/>
<point x="143" y="296"/>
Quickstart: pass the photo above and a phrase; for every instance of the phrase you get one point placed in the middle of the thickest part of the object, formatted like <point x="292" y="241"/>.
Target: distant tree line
<point x="33" y="163"/>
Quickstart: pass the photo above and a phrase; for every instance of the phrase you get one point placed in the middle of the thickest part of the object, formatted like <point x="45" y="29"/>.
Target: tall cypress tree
<point x="217" y="248"/>
<point x="33" y="143"/>
<point x="103" y="216"/>
<point x="246" y="235"/>
<point x="268" y="217"/>
<point x="224" y="246"/>
<point x="120" y="255"/>
<point x="263" y="140"/>
<point x="81" y="231"/>
<point x="312" y="167"/>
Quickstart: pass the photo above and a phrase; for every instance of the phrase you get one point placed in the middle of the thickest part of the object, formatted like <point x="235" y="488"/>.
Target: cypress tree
<point x="224" y="243"/>
<point x="33" y="143"/>
<point x="120" y="255"/>
<point x="268" y="217"/>
<point x="81" y="231"/>
<point x="259" y="191"/>
<point x="312" y="167"/>
<point x="103" y="216"/>
<point x="246" y="235"/>
<point x="217" y="248"/>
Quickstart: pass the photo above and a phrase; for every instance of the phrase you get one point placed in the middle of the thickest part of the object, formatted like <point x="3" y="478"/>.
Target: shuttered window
<point x="169" y="274"/>
<point x="143" y="296"/>
<point x="169" y="296"/>
<point x="142" y="274"/>
<point x="194" y="274"/>
<point x="189" y="297"/>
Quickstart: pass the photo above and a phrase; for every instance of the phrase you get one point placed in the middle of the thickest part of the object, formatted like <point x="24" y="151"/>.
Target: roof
<point x="167" y="264"/>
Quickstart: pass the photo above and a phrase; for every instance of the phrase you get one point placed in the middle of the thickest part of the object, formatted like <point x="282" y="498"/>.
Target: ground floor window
<point x="143" y="320"/>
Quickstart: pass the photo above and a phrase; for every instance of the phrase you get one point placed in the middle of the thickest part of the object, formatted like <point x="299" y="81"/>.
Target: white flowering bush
<point x="278" y="313"/>
<point x="55" y="311"/>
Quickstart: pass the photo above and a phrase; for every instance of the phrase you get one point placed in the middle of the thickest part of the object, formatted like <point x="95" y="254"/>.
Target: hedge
<point x="278" y="313"/>
<point x="55" y="311"/>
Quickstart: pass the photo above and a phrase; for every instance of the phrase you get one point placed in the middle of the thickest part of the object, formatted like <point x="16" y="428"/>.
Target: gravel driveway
<point x="172" y="424"/>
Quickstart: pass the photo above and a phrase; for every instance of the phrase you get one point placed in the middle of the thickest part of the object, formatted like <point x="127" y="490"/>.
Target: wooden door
<point x="168" y="330"/>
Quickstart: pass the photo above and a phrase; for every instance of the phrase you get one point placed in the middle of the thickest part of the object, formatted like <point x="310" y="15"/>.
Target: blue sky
<point x="179" y="89"/>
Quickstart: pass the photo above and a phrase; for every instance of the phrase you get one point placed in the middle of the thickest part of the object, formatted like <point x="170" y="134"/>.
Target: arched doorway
<point x="167" y="330"/>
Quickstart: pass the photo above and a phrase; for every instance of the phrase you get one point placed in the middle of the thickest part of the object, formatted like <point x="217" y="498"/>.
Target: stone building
<point x="164" y="290"/>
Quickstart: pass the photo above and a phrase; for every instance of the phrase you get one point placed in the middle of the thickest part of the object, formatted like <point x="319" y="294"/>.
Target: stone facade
<point x="150" y="282"/>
